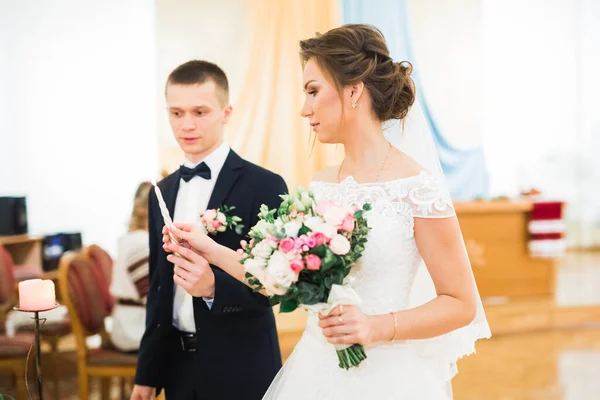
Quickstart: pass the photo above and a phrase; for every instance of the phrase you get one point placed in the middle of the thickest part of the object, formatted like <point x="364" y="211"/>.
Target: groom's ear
<point x="227" y="113"/>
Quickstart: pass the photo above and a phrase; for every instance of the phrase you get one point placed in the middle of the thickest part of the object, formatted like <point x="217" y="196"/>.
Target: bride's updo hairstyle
<point x="357" y="52"/>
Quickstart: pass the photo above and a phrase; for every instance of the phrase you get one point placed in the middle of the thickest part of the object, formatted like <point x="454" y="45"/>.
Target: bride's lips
<point x="314" y="125"/>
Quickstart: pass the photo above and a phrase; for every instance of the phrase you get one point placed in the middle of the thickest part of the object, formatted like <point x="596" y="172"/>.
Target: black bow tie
<point x="202" y="170"/>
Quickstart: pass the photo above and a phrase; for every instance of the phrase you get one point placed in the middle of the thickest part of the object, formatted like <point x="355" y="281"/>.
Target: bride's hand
<point x="192" y="236"/>
<point x="346" y="324"/>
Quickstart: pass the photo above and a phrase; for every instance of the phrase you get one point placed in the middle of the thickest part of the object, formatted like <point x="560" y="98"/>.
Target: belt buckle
<point x="183" y="346"/>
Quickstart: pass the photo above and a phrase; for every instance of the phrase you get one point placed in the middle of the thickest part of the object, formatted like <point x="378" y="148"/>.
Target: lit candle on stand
<point x="36" y="295"/>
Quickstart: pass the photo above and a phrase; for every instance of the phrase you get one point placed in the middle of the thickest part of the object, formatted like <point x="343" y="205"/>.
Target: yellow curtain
<point x="266" y="127"/>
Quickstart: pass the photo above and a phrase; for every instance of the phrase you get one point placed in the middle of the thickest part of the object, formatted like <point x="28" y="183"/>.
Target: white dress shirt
<point x="192" y="199"/>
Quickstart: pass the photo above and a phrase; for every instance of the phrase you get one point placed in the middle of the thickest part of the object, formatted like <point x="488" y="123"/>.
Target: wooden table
<point x="27" y="250"/>
<point x="496" y="237"/>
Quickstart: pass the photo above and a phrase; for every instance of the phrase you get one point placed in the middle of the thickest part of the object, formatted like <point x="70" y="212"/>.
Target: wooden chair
<point x="84" y="280"/>
<point x="13" y="351"/>
<point x="50" y="332"/>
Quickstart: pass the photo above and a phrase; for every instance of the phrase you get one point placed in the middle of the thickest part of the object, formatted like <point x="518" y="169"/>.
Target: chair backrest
<point x="7" y="277"/>
<point x="103" y="266"/>
<point x="82" y="294"/>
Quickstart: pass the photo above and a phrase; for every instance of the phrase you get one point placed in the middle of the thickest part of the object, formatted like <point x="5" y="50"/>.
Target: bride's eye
<point x="312" y="92"/>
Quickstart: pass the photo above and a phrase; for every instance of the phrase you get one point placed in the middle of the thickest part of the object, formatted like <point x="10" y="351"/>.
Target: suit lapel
<point x="169" y="189"/>
<point x="231" y="171"/>
<point x="170" y="193"/>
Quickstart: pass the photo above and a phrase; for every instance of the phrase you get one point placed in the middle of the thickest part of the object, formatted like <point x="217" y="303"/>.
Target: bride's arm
<point x="441" y="245"/>
<point x="225" y="258"/>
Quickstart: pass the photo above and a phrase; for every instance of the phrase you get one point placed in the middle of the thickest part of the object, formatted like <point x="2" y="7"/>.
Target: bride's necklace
<point x="380" y="169"/>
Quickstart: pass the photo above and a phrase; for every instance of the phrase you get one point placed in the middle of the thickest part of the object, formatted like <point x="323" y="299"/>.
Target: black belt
<point x="188" y="341"/>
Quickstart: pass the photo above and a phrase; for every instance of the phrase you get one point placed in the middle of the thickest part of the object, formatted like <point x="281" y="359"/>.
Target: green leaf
<point x="358" y="214"/>
<point x="320" y="250"/>
<point x="366" y="207"/>
<point x="287" y="306"/>
<point x="304" y="230"/>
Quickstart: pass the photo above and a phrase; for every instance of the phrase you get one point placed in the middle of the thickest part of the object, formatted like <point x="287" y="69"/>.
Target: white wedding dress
<point x="407" y="370"/>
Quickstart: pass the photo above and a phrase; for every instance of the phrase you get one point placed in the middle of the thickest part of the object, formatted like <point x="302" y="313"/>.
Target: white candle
<point x="164" y="211"/>
<point x="36" y="295"/>
<point x="163" y="207"/>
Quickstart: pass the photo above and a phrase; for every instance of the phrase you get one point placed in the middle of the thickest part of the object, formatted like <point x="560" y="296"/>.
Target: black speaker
<point x="13" y="216"/>
<point x="56" y="245"/>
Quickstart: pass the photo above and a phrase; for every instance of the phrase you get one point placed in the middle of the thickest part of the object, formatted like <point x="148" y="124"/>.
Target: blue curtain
<point x="464" y="168"/>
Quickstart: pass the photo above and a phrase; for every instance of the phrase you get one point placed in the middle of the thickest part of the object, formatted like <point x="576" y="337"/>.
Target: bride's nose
<point x="305" y="111"/>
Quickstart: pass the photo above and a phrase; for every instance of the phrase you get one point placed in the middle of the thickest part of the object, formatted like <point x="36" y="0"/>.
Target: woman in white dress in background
<point x="420" y="307"/>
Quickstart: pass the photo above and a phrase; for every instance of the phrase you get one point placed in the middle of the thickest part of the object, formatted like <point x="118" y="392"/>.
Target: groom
<point x="217" y="338"/>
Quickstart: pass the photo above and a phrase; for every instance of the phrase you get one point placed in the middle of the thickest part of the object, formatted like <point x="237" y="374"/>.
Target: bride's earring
<point x="354" y="105"/>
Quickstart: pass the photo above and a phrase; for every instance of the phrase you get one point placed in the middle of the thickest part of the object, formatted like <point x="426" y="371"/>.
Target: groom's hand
<point x="192" y="272"/>
<point x="142" y="393"/>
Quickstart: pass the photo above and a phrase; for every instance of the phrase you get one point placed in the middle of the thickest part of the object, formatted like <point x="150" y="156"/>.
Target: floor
<point x="549" y="364"/>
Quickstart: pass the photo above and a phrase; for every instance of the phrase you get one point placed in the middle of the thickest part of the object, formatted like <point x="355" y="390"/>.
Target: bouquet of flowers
<point x="302" y="256"/>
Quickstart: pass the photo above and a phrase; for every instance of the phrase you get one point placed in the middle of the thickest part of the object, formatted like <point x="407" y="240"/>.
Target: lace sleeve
<point x="428" y="197"/>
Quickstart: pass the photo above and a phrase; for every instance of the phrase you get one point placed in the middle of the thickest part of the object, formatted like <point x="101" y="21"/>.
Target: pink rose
<point x="297" y="265"/>
<point x="319" y="238"/>
<point x="286" y="245"/>
<point x="323" y="206"/>
<point x="335" y="216"/>
<point x="216" y="224"/>
<point x="305" y="248"/>
<point x="339" y="245"/>
<point x="313" y="262"/>
<point x="310" y="241"/>
<point x="209" y="215"/>
<point x="348" y="223"/>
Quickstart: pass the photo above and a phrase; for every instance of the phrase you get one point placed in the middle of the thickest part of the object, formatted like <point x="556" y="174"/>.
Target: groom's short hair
<point x="196" y="72"/>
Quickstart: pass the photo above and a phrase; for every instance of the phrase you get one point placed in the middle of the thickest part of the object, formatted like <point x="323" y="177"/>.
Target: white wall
<point x="78" y="108"/>
<point x="197" y="29"/>
<point x="448" y="45"/>
<point x="542" y="96"/>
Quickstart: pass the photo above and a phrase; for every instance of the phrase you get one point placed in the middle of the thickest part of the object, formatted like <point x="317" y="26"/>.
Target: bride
<point x="420" y="309"/>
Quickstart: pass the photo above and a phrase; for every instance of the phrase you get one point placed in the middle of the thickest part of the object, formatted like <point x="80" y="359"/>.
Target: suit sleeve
<point x="150" y="354"/>
<point x="229" y="292"/>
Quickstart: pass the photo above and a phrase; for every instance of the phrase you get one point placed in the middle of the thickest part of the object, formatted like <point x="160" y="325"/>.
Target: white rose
<point x="272" y="287"/>
<point x="339" y="245"/>
<point x="291" y="228"/>
<point x="278" y="268"/>
<point x="335" y="215"/>
<point x="222" y="228"/>
<point x="256" y="267"/>
<point x="264" y="249"/>
<point x="221" y="218"/>
<point x="313" y="222"/>
<point x="262" y="228"/>
<point x="328" y="230"/>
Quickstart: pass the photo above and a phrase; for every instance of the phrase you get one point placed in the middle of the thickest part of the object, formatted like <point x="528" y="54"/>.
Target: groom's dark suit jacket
<point x="238" y="352"/>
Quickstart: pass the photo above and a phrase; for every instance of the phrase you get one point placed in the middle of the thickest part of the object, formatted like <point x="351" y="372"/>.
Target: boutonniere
<point x="220" y="220"/>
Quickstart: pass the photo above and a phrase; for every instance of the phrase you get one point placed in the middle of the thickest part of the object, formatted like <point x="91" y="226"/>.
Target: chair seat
<point x="111" y="357"/>
<point x="55" y="328"/>
<point x="17" y="346"/>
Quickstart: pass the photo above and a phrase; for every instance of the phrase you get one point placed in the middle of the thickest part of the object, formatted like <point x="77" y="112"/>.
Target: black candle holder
<point x="38" y="353"/>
